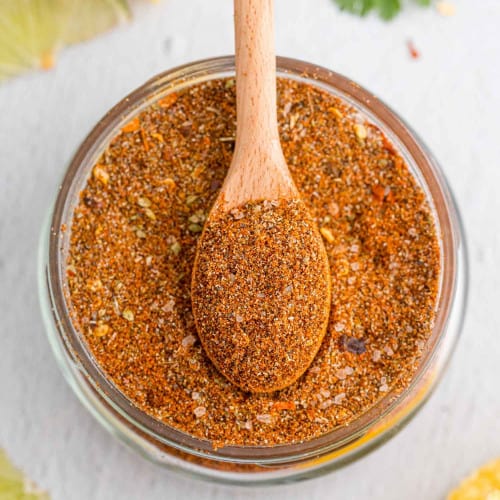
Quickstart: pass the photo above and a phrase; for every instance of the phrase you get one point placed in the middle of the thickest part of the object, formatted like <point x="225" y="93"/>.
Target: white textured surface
<point x="450" y="96"/>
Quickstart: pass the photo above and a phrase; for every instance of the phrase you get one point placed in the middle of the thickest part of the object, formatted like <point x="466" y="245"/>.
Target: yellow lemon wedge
<point x="484" y="484"/>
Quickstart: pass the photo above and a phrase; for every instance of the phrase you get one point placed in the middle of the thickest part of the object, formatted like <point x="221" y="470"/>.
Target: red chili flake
<point x="388" y="145"/>
<point x="168" y="100"/>
<point x="414" y="53"/>
<point x="378" y="192"/>
<point x="284" y="405"/>
<point x="132" y="125"/>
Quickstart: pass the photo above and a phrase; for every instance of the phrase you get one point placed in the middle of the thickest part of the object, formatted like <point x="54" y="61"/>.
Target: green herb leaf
<point x="386" y="9"/>
<point x="360" y="7"/>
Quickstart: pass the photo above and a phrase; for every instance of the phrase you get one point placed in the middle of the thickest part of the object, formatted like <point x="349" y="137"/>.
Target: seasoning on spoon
<point x="261" y="293"/>
<point x="261" y="280"/>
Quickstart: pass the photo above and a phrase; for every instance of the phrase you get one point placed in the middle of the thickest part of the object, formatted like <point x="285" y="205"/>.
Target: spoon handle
<point x="257" y="128"/>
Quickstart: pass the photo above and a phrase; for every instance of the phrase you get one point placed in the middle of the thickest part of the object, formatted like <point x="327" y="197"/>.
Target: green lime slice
<point x="13" y="484"/>
<point x="89" y="17"/>
<point x="32" y="32"/>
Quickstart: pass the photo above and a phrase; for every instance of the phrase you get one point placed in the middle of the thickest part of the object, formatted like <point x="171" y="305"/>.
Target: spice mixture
<point x="261" y="293"/>
<point x="133" y="242"/>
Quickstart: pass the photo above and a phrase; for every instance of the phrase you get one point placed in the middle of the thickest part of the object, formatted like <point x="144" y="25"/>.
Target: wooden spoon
<point x="260" y="287"/>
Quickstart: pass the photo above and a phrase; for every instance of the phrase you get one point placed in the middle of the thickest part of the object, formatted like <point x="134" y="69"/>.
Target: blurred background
<point x="438" y="69"/>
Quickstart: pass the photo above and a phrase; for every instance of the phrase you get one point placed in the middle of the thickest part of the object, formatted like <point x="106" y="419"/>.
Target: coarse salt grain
<point x="169" y="306"/>
<point x="264" y="419"/>
<point x="325" y="393"/>
<point x="333" y="209"/>
<point x="339" y="398"/>
<point x="321" y="420"/>
<point x="344" y="372"/>
<point x="199" y="411"/>
<point x="376" y="355"/>
<point x="339" y="327"/>
<point x="188" y="340"/>
<point x="325" y="404"/>
<point x="237" y="214"/>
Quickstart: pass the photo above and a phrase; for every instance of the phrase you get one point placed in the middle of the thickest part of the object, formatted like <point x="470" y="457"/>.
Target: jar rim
<point x="406" y="142"/>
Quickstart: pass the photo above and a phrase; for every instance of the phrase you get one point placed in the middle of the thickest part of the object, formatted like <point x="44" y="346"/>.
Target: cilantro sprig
<point x="386" y="9"/>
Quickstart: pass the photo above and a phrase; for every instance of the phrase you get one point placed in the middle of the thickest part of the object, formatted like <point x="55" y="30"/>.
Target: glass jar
<point x="251" y="464"/>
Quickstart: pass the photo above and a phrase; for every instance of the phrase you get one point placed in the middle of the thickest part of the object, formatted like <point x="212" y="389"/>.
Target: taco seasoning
<point x="260" y="293"/>
<point x="133" y="242"/>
